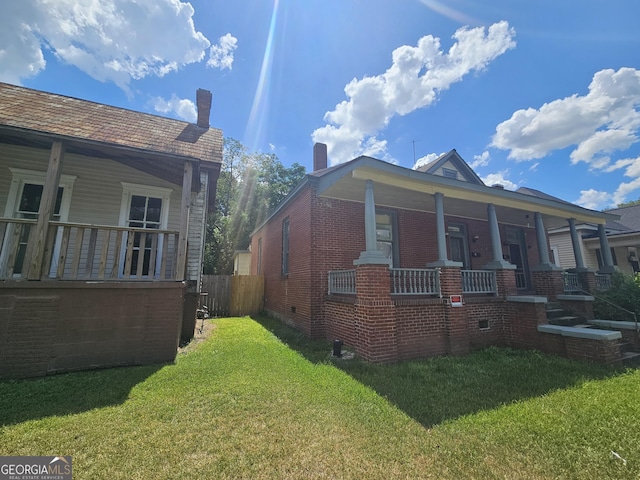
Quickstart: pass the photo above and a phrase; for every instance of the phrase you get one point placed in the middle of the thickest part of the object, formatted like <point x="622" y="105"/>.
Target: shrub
<point x="624" y="292"/>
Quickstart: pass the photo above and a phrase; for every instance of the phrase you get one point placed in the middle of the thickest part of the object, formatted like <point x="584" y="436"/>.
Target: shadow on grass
<point x="68" y="393"/>
<point x="435" y="390"/>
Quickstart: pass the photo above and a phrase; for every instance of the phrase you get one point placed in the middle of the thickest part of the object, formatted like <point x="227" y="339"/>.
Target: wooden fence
<point x="233" y="295"/>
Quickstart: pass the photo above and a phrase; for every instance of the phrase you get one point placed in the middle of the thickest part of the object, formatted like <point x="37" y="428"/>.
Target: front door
<point x="518" y="256"/>
<point x="458" y="245"/>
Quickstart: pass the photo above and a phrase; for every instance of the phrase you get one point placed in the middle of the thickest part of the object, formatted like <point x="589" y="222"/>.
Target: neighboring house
<point x="623" y="237"/>
<point x="102" y="231"/>
<point x="399" y="263"/>
<point x="242" y="262"/>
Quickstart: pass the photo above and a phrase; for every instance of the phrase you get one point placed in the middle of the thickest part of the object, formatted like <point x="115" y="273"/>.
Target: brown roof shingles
<point x="57" y="115"/>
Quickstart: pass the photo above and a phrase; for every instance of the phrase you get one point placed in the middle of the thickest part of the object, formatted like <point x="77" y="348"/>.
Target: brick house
<point x="102" y="231"/>
<point x="402" y="264"/>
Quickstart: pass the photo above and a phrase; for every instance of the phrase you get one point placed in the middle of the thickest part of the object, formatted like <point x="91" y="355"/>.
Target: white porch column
<point x="543" y="246"/>
<point x="498" y="263"/>
<point x="371" y="256"/>
<point x="441" y="236"/>
<point x="605" y="251"/>
<point x="38" y="238"/>
<point x="575" y="242"/>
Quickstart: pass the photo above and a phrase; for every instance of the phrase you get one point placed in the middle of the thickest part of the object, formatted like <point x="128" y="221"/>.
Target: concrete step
<point x="627" y="347"/>
<point x="566" y="321"/>
<point x="631" y="359"/>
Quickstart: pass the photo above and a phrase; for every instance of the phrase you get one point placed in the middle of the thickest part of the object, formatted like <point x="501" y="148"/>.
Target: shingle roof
<point x="24" y="109"/>
<point x="629" y="217"/>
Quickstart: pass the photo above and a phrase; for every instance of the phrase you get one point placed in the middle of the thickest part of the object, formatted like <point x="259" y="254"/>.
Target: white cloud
<point x="111" y="40"/>
<point x="599" y="123"/>
<point x="426" y="159"/>
<point x="413" y="81"/>
<point x="221" y="55"/>
<point x="481" y="160"/>
<point x="499" y="178"/>
<point x="534" y="167"/>
<point x="183" y="108"/>
<point x="594" y="199"/>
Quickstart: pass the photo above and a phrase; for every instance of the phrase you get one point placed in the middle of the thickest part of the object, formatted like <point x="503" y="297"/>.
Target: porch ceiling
<point x="169" y="168"/>
<point x="412" y="190"/>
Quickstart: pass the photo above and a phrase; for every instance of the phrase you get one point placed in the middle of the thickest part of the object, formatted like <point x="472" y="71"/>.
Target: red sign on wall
<point x="455" y="300"/>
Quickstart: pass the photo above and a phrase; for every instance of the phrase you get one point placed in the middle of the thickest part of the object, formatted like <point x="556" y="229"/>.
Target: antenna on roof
<point x="414" y="150"/>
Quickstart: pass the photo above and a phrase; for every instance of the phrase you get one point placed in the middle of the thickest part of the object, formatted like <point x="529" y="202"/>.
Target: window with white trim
<point x="144" y="207"/>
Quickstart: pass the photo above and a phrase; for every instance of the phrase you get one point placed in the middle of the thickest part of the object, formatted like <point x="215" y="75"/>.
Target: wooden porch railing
<point x="479" y="281"/>
<point x="91" y="252"/>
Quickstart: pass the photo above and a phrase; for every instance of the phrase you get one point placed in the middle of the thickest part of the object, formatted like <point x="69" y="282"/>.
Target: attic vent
<point x="449" y="173"/>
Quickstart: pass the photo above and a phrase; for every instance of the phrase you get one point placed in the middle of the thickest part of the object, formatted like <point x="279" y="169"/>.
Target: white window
<point x="144" y="207"/>
<point x="25" y="194"/>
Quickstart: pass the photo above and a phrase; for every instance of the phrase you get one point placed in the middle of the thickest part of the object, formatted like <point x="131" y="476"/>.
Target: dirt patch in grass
<point x="204" y="329"/>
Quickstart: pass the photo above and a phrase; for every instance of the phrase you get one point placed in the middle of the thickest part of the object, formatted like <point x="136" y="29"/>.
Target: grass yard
<point x="258" y="400"/>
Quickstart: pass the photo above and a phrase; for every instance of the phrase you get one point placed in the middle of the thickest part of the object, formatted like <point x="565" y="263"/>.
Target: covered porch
<point x="486" y="280"/>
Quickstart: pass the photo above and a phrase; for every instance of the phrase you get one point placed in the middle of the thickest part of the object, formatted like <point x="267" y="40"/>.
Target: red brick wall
<point x="288" y="297"/>
<point x="421" y="328"/>
<point x="485" y="309"/>
<point x="63" y="326"/>
<point x="328" y="234"/>
<point x="548" y="283"/>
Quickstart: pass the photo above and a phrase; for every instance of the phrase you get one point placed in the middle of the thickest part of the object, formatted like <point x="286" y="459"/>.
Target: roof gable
<point x="451" y="165"/>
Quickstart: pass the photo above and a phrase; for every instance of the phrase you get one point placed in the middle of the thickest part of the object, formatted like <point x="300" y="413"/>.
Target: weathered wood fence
<point x="233" y="295"/>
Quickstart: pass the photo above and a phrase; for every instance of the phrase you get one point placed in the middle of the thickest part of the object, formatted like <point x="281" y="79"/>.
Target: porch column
<point x="575" y="242"/>
<point x="605" y="250"/>
<point x="371" y="256"/>
<point x="442" y="261"/>
<point x="498" y="263"/>
<point x="185" y="208"/>
<point x="34" y="256"/>
<point x="543" y="246"/>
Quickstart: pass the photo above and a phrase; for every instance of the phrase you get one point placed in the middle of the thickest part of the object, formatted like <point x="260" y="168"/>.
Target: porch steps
<point x="556" y="315"/>
<point x="629" y="354"/>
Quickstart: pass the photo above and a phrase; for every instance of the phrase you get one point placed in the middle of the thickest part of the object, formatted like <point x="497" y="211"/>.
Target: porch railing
<point x="479" y="281"/>
<point x="409" y="281"/>
<point x="571" y="282"/>
<point x="603" y="281"/>
<point x="91" y="252"/>
<point x="342" y="282"/>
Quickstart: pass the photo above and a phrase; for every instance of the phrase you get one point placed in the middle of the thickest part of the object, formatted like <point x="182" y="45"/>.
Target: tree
<point x="250" y="187"/>
<point x="630" y="203"/>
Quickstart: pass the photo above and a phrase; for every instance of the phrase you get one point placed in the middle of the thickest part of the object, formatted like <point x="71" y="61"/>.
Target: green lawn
<point x="258" y="400"/>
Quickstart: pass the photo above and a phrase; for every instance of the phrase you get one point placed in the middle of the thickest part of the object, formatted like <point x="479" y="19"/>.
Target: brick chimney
<point x="203" y="104"/>
<point x="319" y="156"/>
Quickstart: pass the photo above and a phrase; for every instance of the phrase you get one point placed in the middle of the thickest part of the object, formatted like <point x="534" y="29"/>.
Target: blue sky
<point x="542" y="94"/>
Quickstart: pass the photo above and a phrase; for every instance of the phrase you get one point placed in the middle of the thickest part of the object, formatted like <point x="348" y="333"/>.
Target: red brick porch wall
<point x="57" y="327"/>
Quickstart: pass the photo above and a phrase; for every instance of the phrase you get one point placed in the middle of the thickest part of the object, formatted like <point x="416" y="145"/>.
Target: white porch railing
<point x="571" y="282"/>
<point x="90" y="252"/>
<point x="410" y="281"/>
<point x="479" y="281"/>
<point x="343" y="282"/>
